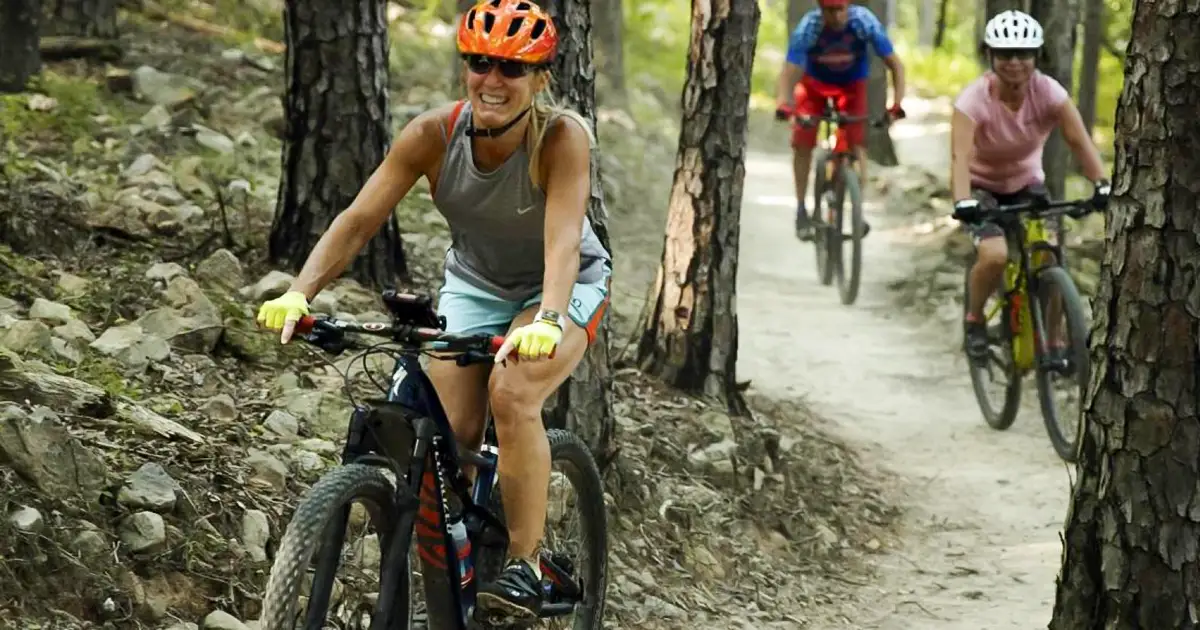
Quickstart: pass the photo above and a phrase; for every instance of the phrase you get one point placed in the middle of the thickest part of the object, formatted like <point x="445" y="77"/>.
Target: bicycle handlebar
<point x="1039" y="208"/>
<point x="328" y="334"/>
<point x="842" y="119"/>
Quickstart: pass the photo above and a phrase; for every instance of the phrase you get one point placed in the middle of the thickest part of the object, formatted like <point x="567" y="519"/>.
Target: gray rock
<point x="50" y="312"/>
<point x="89" y="543"/>
<point x="220" y="407"/>
<point x="155" y="117"/>
<point x="38" y="447"/>
<point x="267" y="469"/>
<point x="221" y="269"/>
<point x="119" y="219"/>
<point x="9" y="305"/>
<point x="189" y="334"/>
<point x="214" y="140"/>
<point x="27" y="519"/>
<point x="307" y="461"/>
<point x="76" y="331"/>
<point x="282" y="425"/>
<point x="66" y="351"/>
<point x="318" y="446"/>
<point x="162" y="88"/>
<point x="149" y="488"/>
<point x="722" y="450"/>
<point x="165" y="271"/>
<point x="27" y="337"/>
<point x="143" y="164"/>
<point x="718" y="424"/>
<point x="270" y="286"/>
<point x="220" y="620"/>
<point x="327" y="413"/>
<point x="132" y="346"/>
<point x="143" y="531"/>
<point x="324" y="302"/>
<point x="354" y="297"/>
<point x="256" y="533"/>
<point x="71" y="285"/>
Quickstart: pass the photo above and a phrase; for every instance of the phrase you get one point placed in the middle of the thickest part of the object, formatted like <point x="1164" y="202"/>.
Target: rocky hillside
<point x="154" y="443"/>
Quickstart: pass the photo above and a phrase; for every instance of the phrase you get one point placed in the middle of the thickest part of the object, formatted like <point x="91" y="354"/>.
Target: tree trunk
<point x="609" y="24"/>
<point x="796" y="10"/>
<point x="583" y="403"/>
<point x="1093" y="33"/>
<point x="338" y="130"/>
<point x="458" y="86"/>
<point x="19" y="56"/>
<point x="926" y="24"/>
<point x="939" y="34"/>
<point x="1058" y="19"/>
<point x="880" y="148"/>
<point x="1130" y="559"/>
<point x="689" y="337"/>
<point x="80" y="18"/>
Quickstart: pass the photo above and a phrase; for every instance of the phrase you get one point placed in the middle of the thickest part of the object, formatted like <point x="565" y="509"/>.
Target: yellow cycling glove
<point x="534" y="341"/>
<point x="282" y="313"/>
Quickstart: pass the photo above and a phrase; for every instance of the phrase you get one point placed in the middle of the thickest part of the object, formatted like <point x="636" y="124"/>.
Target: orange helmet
<point x="517" y="30"/>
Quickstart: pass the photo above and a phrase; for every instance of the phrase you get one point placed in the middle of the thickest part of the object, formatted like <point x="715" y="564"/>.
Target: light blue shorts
<point x="469" y="309"/>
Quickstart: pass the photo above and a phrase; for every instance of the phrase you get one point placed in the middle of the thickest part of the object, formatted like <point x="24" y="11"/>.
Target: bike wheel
<point x="998" y="416"/>
<point x="316" y="531"/>
<point x="848" y="281"/>
<point x="1077" y="371"/>
<point x="584" y="556"/>
<point x="819" y="227"/>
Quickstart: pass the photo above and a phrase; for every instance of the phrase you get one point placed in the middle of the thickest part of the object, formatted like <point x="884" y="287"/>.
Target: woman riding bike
<point x="1000" y="124"/>
<point x="511" y="175"/>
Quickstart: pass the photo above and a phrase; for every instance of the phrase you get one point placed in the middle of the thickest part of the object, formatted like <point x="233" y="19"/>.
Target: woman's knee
<point x="991" y="253"/>
<point x="513" y="397"/>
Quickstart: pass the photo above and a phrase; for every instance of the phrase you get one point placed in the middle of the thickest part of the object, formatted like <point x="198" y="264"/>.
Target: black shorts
<point x="990" y="229"/>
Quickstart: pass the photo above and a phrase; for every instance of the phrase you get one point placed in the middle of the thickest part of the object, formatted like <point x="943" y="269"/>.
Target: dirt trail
<point x="980" y="547"/>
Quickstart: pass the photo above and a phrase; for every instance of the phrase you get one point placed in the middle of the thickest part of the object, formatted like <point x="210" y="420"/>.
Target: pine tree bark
<point x="608" y="22"/>
<point x="689" y="336"/>
<point x="879" y="142"/>
<point x="1058" y="19"/>
<point x="338" y="130"/>
<point x="80" y="18"/>
<point x="1130" y="557"/>
<point x="1089" y="75"/>
<point x="19" y="56"/>
<point x="583" y="404"/>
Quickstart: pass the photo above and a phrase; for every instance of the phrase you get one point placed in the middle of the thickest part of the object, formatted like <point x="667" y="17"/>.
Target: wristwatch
<point x="550" y="317"/>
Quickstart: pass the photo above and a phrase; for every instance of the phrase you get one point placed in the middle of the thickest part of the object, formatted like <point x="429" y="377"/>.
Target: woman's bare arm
<point x="567" y="154"/>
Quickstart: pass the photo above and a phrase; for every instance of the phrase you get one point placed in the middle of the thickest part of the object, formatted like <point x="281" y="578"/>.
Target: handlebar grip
<point x="494" y="345"/>
<point x="305" y="325"/>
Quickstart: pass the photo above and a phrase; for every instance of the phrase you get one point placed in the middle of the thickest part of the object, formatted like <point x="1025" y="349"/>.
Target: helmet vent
<point x="539" y="27"/>
<point x="489" y="20"/>
<point x="515" y="25"/>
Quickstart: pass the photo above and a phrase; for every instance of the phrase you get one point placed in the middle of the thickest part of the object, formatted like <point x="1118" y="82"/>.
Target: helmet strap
<point x="495" y="132"/>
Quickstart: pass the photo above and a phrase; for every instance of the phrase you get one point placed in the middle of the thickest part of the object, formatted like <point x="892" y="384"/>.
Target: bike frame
<point x="434" y="448"/>
<point x="1026" y="325"/>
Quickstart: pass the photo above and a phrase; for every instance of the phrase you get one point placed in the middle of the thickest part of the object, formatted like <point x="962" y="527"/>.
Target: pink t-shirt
<point x="1008" y="144"/>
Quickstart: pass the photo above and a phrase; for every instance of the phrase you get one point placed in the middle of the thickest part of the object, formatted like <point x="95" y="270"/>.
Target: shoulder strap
<point x="453" y="118"/>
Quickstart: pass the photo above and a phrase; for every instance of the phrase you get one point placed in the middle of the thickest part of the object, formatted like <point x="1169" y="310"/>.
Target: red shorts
<point x="851" y="99"/>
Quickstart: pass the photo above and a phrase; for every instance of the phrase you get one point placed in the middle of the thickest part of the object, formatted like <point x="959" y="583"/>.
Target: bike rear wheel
<point x="820" y="228"/>
<point x="316" y="531"/>
<point x="848" y="279"/>
<point x="998" y="414"/>
<point x="1077" y="371"/>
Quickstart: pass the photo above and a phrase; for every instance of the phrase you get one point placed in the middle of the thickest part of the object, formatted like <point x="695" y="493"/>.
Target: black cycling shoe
<point x="975" y="340"/>
<point x="515" y="598"/>
<point x="804" y="227"/>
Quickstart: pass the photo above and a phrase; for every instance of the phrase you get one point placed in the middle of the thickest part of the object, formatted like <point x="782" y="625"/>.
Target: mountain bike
<point x="1018" y="332"/>
<point x="407" y="437"/>
<point x="834" y="179"/>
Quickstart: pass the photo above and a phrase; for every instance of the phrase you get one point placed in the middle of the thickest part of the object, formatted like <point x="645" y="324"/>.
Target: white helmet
<point x="1013" y="29"/>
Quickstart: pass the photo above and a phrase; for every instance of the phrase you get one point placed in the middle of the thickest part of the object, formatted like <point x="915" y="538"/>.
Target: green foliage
<point x="79" y="101"/>
<point x="250" y="18"/>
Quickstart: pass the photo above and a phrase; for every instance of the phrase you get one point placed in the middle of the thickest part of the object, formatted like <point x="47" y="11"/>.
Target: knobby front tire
<point x="1053" y="279"/>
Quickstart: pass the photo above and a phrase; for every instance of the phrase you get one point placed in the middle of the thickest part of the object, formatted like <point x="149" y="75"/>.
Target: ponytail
<point x="542" y="112"/>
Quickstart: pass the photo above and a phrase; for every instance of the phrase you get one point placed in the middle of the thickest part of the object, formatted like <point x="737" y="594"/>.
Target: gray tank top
<point x="497" y="222"/>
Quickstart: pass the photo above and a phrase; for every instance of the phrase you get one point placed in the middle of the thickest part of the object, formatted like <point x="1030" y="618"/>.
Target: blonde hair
<point x="542" y="111"/>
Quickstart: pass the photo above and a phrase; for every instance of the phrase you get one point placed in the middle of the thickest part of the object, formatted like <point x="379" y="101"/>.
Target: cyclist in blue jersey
<point x="827" y="57"/>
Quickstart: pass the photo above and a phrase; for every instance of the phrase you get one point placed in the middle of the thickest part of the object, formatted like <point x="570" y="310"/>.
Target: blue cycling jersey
<point x="838" y="57"/>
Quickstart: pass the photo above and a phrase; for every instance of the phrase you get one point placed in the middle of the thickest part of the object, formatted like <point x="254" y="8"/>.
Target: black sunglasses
<point x="1004" y="54"/>
<point x="482" y="64"/>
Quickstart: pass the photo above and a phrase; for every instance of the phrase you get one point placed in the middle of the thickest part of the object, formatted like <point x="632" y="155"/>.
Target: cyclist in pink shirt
<point x="1000" y="124"/>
